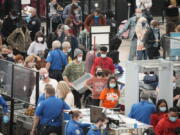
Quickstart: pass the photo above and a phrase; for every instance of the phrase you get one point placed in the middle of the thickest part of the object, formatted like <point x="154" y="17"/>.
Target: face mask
<point x="112" y="85"/>
<point x="76" y="11"/>
<point x="96" y="17"/>
<point x="143" y="24"/>
<point x="174" y="85"/>
<point x="4" y="55"/>
<point x="79" y="59"/>
<point x="10" y="55"/>
<point x="99" y="73"/>
<point x="173" y="119"/>
<point x="31" y="64"/>
<point x="156" y="29"/>
<point x="69" y="50"/>
<point x="13" y="17"/>
<point x="162" y="109"/>
<point x="28" y="18"/>
<point x="103" y="55"/>
<point x="138" y="15"/>
<point x="80" y="120"/>
<point x="40" y="39"/>
<point x="104" y="127"/>
<point x="20" y="64"/>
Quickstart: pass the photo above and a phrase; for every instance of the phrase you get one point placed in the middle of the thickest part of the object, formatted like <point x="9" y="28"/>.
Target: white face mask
<point x="79" y="59"/>
<point x="40" y="39"/>
<point x="139" y="15"/>
<point x="76" y="11"/>
<point x="69" y="50"/>
<point x="103" y="55"/>
<point x="104" y="127"/>
<point x="10" y="55"/>
<point x="174" y="85"/>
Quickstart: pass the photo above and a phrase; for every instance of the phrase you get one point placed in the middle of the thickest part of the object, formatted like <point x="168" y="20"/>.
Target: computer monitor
<point x="95" y="113"/>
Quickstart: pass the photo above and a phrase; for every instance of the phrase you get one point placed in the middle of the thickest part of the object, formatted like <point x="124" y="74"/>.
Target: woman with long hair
<point x="161" y="110"/>
<point x="64" y="92"/>
<point x="109" y="97"/>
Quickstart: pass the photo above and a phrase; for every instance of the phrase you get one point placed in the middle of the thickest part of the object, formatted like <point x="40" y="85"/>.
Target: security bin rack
<point x="78" y="85"/>
<point x="100" y="35"/>
<point x="165" y="73"/>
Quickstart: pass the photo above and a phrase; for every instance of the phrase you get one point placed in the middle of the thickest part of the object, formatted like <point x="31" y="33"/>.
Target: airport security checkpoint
<point x="89" y="67"/>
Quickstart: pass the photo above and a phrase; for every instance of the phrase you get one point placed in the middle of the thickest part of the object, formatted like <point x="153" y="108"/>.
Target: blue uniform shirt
<point x="50" y="111"/>
<point x="142" y="111"/>
<point x="75" y="128"/>
<point x="4" y="105"/>
<point x="57" y="58"/>
<point x="41" y="98"/>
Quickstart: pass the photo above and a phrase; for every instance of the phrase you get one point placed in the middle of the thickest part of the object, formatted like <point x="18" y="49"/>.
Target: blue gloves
<point x="5" y="119"/>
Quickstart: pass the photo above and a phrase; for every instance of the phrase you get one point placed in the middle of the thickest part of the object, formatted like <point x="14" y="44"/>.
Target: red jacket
<point x="155" y="118"/>
<point x="104" y="63"/>
<point x="166" y="127"/>
<point x="90" y="21"/>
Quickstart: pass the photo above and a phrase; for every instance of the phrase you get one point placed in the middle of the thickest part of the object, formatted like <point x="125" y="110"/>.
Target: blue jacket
<point x="95" y="131"/>
<point x="75" y="128"/>
<point x="4" y="105"/>
<point x="142" y="111"/>
<point x="50" y="111"/>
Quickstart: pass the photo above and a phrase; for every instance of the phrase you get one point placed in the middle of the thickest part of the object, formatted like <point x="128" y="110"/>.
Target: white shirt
<point x="35" y="48"/>
<point x="42" y="85"/>
<point x="70" y="100"/>
<point x="144" y="4"/>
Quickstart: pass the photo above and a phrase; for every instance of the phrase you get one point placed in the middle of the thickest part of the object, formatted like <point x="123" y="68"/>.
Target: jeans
<point x="133" y="47"/>
<point x="142" y="55"/>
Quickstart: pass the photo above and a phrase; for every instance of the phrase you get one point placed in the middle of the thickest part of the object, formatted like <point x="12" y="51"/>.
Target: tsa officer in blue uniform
<point x="99" y="128"/>
<point x="74" y="126"/>
<point x="48" y="114"/>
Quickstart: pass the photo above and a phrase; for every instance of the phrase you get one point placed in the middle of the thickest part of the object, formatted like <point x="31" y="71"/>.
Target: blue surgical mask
<point x="112" y="85"/>
<point x="173" y="119"/>
<point x="103" y="55"/>
<point x="96" y="17"/>
<point x="162" y="109"/>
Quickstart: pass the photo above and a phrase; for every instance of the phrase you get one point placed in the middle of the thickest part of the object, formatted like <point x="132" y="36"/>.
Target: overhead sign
<point x="25" y="2"/>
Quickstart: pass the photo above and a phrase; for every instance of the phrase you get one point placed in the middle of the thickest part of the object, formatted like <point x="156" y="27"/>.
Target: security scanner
<point x="164" y="70"/>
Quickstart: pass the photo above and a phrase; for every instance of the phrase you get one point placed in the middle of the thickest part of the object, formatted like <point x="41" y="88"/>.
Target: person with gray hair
<point x="66" y="48"/>
<point x="56" y="61"/>
<point x="142" y="111"/>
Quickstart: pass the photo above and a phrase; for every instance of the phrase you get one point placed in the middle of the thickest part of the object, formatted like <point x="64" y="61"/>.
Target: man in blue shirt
<point x="142" y="111"/>
<point x="99" y="128"/>
<point x="48" y="114"/>
<point x="56" y="61"/>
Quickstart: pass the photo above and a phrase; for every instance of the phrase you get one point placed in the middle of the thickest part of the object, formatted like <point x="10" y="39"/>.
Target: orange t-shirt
<point x="109" y="97"/>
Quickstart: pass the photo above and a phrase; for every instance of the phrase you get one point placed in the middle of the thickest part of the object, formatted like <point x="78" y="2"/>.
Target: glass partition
<point x="5" y="77"/>
<point x="25" y="81"/>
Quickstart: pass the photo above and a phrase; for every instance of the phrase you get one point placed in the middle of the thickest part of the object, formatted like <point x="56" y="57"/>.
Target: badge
<point x="77" y="132"/>
<point x="33" y="22"/>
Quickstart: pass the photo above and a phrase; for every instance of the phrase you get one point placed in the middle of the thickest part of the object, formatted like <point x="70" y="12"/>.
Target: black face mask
<point x="99" y="73"/>
<point x="4" y="55"/>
